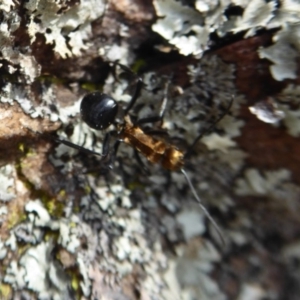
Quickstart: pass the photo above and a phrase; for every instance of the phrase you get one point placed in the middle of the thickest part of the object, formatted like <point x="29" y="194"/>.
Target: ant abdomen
<point x="98" y="110"/>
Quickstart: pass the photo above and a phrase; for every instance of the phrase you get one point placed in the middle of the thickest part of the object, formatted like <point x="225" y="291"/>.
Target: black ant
<point x="99" y="111"/>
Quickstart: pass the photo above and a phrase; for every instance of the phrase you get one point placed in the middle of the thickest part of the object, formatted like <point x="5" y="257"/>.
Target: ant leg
<point x="72" y="145"/>
<point x="163" y="105"/>
<point x="152" y="119"/>
<point x="162" y="110"/>
<point x="108" y="157"/>
<point x="135" y="96"/>
<point x="208" y="129"/>
<point x="114" y="154"/>
<point x="106" y="148"/>
<point x="159" y="132"/>
<point x="67" y="143"/>
<point x="140" y="162"/>
<point x="138" y="87"/>
<point x="105" y="144"/>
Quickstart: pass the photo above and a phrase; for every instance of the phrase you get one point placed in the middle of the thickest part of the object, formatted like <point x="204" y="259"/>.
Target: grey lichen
<point x="74" y="235"/>
<point x="176" y="22"/>
<point x="284" y="53"/>
<point x="257" y="14"/>
<point x="29" y="272"/>
<point x="64" y="26"/>
<point x="289" y="103"/>
<point x="282" y="109"/>
<point x="189" y="30"/>
<point x="7" y="183"/>
<point x="256" y="184"/>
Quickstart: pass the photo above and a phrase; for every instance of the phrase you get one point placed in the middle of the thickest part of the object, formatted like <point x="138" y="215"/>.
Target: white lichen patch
<point x="174" y="290"/>
<point x="284" y="52"/>
<point x="217" y="142"/>
<point x="11" y="242"/>
<point x="58" y="26"/>
<point x="85" y="283"/>
<point x="189" y="273"/>
<point x="132" y="244"/>
<point x="7" y="183"/>
<point x="107" y="197"/>
<point x="285" y="108"/>
<point x="257" y="14"/>
<point x="189" y="29"/>
<point x="291" y="120"/>
<point x="37" y="269"/>
<point x="12" y="93"/>
<point x="69" y="229"/>
<point x="252" y="292"/>
<point x="231" y="125"/>
<point x="38" y="272"/>
<point x="69" y="234"/>
<point x="29" y="67"/>
<point x="38" y="213"/>
<point x="11" y="22"/>
<point x="6" y="5"/>
<point x="191" y="224"/>
<point x="116" y="52"/>
<point x="17" y="60"/>
<point x="3" y="210"/>
<point x="235" y="158"/>
<point x="257" y="184"/>
<point x="3" y="250"/>
<point x="288" y="13"/>
<point x="65" y="25"/>
<point x="288" y="102"/>
<point x="176" y="21"/>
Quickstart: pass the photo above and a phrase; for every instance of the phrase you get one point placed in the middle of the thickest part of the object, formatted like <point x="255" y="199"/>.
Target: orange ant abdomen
<point x="155" y="150"/>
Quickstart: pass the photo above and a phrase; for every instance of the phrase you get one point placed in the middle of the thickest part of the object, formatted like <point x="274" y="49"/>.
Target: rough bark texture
<point x="71" y="228"/>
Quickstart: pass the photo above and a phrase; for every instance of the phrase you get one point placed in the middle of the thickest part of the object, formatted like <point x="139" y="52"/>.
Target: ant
<point x="99" y="111"/>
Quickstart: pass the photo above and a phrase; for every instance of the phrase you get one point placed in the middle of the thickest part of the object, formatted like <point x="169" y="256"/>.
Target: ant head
<point x="98" y="110"/>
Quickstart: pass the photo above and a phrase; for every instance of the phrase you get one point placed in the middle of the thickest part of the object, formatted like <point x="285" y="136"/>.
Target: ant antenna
<point x="209" y="128"/>
<point x="210" y="218"/>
